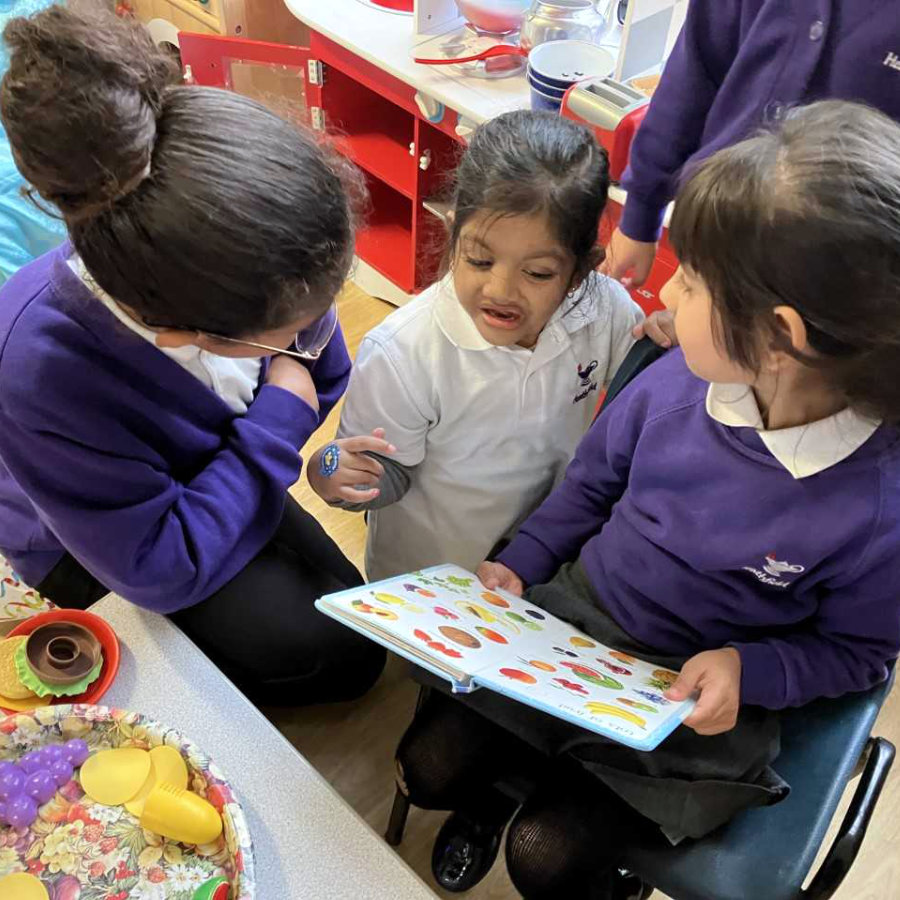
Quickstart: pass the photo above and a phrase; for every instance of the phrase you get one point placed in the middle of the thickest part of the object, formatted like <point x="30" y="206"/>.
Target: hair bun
<point x="80" y="103"/>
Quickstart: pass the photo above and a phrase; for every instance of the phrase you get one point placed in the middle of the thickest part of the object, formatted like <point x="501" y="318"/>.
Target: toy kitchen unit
<point x="404" y="123"/>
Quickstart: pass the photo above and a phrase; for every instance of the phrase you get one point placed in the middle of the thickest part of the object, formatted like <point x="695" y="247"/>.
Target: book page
<point x="441" y="613"/>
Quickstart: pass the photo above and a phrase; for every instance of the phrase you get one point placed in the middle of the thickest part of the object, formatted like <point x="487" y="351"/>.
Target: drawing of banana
<point x="607" y="709"/>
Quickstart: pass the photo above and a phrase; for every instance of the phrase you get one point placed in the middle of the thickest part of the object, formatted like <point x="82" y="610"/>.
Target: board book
<point x="444" y="620"/>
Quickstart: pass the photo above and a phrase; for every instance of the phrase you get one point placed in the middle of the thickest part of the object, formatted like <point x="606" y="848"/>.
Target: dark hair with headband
<point x="807" y="216"/>
<point x="194" y="207"/>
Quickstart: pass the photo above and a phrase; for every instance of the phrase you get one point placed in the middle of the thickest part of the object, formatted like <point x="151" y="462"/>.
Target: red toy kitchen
<point x="403" y="123"/>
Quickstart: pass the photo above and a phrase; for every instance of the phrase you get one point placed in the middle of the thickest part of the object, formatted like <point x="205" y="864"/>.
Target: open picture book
<point x="444" y="620"/>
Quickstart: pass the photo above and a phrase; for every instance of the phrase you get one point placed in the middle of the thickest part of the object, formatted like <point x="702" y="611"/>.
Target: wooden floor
<point x="352" y="744"/>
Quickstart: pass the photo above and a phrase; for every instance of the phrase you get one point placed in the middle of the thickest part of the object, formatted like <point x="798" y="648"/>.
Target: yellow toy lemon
<point x="180" y="816"/>
<point x="166" y="765"/>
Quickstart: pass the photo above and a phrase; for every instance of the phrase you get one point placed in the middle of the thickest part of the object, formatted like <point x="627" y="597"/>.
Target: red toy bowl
<point x="102" y="631"/>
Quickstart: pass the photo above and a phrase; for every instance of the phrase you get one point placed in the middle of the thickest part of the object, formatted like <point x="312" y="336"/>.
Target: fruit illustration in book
<point x="634" y="704"/>
<point x="540" y="664"/>
<point x="623" y="657"/>
<point x="518" y="675"/>
<point x="491" y="635"/>
<point x="572" y="686"/>
<point x="494" y="599"/>
<point x="593" y="676"/>
<point x="615" y="712"/>
<point x="367" y="609"/>
<point x="422" y="592"/>
<point x="612" y="667"/>
<point x="445" y="613"/>
<point x="525" y="623"/>
<point x="458" y="636"/>
<point x="653" y="698"/>
<point x="579" y="641"/>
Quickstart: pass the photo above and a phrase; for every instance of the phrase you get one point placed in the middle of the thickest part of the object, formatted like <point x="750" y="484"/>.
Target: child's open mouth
<point x="502" y="317"/>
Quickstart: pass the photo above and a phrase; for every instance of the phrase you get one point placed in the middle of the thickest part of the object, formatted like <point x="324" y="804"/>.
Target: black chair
<point x="766" y="854"/>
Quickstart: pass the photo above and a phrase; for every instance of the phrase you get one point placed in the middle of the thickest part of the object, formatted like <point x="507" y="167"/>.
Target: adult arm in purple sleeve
<point x="578" y="508"/>
<point x="671" y="132"/>
<point x="848" y="644"/>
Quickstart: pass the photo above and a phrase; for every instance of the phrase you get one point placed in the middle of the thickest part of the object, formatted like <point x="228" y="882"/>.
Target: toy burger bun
<point x="10" y="686"/>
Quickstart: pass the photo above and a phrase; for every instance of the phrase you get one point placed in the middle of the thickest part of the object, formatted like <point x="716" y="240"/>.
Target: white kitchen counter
<point x="387" y="40"/>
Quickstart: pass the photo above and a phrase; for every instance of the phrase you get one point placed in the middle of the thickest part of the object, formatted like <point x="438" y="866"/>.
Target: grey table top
<point x="308" y="843"/>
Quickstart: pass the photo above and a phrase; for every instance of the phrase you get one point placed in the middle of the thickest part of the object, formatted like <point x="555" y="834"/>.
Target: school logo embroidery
<point x="892" y="61"/>
<point x="584" y="375"/>
<point x="774" y="570"/>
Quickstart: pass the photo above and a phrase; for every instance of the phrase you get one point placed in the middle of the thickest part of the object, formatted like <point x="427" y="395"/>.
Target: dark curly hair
<point x="196" y="208"/>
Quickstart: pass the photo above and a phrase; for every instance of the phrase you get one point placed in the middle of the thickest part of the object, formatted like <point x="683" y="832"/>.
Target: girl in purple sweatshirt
<point x="150" y="420"/>
<point x="734" y="514"/>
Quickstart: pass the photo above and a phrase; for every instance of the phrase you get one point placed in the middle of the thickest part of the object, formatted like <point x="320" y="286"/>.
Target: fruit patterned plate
<point x="81" y="850"/>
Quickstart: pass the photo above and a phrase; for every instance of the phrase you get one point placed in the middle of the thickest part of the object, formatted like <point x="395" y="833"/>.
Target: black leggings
<point x="261" y="629"/>
<point x="564" y="841"/>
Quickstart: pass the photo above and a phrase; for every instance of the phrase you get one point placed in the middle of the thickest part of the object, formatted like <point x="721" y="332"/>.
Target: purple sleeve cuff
<point x="529" y="559"/>
<point x="642" y="221"/>
<point x="762" y="675"/>
<point x="283" y="414"/>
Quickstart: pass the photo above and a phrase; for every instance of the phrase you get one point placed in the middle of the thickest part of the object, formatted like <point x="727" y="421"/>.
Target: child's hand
<point x="495" y="575"/>
<point x="354" y="468"/>
<point x="659" y="326"/>
<point x="293" y="376"/>
<point x="624" y="256"/>
<point x="716" y="674"/>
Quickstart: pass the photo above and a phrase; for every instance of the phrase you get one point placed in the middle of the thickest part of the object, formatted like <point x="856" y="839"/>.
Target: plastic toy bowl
<point x="102" y="631"/>
<point x="90" y="850"/>
<point x="560" y="64"/>
<point x="546" y="89"/>
<point x="495" y="16"/>
<point x="544" y="102"/>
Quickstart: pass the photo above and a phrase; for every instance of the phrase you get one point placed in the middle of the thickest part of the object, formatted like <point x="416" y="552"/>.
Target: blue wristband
<point x="330" y="460"/>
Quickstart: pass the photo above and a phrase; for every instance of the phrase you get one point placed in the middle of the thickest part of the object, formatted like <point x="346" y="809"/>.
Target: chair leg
<point x="397" y="821"/>
<point x="400" y="808"/>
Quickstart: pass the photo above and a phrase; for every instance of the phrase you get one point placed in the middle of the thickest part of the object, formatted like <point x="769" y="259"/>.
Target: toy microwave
<point x="612" y="110"/>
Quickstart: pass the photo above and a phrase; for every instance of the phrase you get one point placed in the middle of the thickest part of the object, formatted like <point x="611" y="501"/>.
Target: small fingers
<point x="367" y="444"/>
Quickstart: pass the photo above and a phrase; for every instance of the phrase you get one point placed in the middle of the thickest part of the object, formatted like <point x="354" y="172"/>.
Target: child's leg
<point x="566" y="839"/>
<point x="451" y="757"/>
<point x="264" y="632"/>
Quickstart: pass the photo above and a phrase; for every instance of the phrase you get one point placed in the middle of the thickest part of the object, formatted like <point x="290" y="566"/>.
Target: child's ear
<point x="790" y="326"/>
<point x="790" y="338"/>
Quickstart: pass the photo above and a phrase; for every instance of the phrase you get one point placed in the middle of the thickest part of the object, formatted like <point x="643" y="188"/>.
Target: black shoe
<point x="628" y="886"/>
<point x="464" y="852"/>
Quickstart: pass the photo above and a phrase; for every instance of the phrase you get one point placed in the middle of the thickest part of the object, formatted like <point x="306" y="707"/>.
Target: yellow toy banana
<point x="607" y="709"/>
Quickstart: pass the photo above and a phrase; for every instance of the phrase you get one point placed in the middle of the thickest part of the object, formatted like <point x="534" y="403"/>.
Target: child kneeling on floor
<point x="485" y="384"/>
<point x="735" y="514"/>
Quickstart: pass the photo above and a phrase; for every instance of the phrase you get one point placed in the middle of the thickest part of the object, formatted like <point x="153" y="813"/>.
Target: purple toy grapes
<point x="12" y="780"/>
<point x="76" y="752"/>
<point x="21" y="811"/>
<point x="53" y="753"/>
<point x="30" y="762"/>
<point x="61" y="772"/>
<point x="40" y="785"/>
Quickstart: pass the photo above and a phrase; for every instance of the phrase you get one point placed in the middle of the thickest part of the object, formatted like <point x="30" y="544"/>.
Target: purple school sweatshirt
<point x="675" y="519"/>
<point x="737" y="65"/>
<point x="111" y="450"/>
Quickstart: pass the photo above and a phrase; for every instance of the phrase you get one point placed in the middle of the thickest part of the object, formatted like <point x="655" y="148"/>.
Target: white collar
<point x="803" y="450"/>
<point x="461" y="330"/>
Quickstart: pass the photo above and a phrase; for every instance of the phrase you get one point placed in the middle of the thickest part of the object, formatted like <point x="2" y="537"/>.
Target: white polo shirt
<point x="488" y="429"/>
